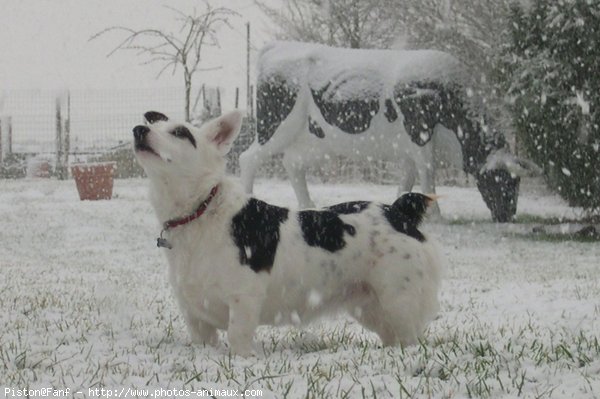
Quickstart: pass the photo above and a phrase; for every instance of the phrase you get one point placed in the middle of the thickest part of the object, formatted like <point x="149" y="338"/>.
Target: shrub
<point x="550" y="70"/>
<point x="13" y="166"/>
<point x="127" y="165"/>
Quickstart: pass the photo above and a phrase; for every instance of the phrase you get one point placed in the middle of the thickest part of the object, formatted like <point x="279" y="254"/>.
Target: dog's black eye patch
<point x="183" y="132"/>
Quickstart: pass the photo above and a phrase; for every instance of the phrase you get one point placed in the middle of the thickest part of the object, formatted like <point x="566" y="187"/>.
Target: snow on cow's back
<point x="295" y="62"/>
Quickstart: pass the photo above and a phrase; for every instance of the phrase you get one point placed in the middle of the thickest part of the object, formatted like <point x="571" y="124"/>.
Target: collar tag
<point x="169" y="224"/>
<point x="163" y="242"/>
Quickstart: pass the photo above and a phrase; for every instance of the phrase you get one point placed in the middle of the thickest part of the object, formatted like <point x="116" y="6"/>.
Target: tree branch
<point x="157" y="46"/>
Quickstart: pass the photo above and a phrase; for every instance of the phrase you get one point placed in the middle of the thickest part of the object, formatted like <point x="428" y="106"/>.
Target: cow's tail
<point x="413" y="206"/>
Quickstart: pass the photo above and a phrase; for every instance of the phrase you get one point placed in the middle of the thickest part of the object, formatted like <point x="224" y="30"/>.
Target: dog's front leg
<point x="244" y="314"/>
<point x="202" y="333"/>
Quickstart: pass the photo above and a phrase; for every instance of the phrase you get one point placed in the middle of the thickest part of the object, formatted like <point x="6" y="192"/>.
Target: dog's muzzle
<point x="140" y="133"/>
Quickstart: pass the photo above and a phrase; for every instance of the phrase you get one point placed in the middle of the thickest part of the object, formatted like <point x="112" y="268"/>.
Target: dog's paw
<point x="243" y="352"/>
<point x="243" y="349"/>
<point x="211" y="341"/>
<point x="204" y="335"/>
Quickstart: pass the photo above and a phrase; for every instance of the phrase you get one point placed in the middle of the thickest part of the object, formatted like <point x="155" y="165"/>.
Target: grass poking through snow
<point x="86" y="304"/>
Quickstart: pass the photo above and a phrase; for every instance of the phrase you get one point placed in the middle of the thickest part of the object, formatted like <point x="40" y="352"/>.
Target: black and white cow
<point x="315" y="101"/>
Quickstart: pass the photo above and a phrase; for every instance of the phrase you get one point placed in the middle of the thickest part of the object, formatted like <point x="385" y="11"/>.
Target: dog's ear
<point x="153" y="116"/>
<point x="223" y="130"/>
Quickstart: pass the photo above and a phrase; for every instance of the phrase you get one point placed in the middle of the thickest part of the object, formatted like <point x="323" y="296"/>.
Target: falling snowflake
<point x="314" y="299"/>
<point x="295" y="318"/>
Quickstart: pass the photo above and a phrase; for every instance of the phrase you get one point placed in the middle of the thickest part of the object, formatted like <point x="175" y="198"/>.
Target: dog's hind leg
<point x="391" y="320"/>
<point x="405" y="331"/>
<point x="370" y="314"/>
<point x="407" y="299"/>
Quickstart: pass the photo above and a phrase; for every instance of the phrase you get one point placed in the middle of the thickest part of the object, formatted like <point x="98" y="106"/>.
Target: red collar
<point x="169" y="224"/>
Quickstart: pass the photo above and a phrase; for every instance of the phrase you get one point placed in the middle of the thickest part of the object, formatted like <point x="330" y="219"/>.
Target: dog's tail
<point x="412" y="206"/>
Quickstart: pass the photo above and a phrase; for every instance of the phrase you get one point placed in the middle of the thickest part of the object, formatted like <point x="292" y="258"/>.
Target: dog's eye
<point x="183" y="132"/>
<point x="180" y="131"/>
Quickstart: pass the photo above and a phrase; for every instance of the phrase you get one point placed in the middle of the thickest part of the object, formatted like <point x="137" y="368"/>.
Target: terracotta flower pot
<point x="94" y="180"/>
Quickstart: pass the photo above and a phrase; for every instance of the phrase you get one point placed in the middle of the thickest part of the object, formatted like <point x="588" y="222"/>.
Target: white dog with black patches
<point x="236" y="262"/>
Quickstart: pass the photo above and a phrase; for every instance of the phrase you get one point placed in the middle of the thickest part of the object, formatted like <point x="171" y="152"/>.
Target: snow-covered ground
<point x="85" y="304"/>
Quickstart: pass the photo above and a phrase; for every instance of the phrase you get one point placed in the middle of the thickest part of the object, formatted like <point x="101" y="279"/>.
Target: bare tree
<point x="342" y="23"/>
<point x="183" y="48"/>
<point x="471" y="30"/>
<point x="468" y="29"/>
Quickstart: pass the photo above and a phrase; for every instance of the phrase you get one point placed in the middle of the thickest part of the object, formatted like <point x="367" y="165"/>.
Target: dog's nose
<point x="140" y="131"/>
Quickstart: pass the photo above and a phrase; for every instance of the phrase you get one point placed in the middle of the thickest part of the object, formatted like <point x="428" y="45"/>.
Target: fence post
<point x="59" y="170"/>
<point x="66" y="148"/>
<point x="218" y="105"/>
<point x="251" y="102"/>
<point x="9" y="136"/>
<point x="248" y="87"/>
<point x="58" y="127"/>
<point x="1" y="141"/>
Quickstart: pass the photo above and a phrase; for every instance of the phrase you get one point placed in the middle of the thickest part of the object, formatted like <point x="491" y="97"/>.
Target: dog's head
<point x="169" y="150"/>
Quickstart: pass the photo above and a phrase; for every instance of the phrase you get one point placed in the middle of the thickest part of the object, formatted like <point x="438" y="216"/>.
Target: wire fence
<point x="79" y="125"/>
<point x="76" y="125"/>
<point x="99" y="119"/>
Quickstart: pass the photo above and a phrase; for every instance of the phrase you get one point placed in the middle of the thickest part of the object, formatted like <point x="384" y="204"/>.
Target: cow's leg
<point x="294" y="163"/>
<point x="250" y="160"/>
<point x="408" y="174"/>
<point x="426" y="166"/>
